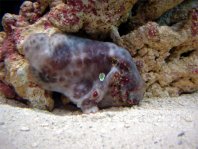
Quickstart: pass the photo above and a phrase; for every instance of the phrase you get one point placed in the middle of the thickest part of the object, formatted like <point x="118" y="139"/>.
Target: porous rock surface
<point x="150" y="10"/>
<point x="19" y="76"/>
<point x="167" y="56"/>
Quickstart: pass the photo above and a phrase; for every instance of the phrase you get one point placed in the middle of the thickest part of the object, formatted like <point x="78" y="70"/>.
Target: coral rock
<point x="92" y="16"/>
<point x="178" y="13"/>
<point x="20" y="78"/>
<point x="169" y="56"/>
<point x="151" y="10"/>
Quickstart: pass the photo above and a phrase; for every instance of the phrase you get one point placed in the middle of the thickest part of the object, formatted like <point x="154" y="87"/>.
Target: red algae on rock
<point x="92" y="16"/>
<point x="7" y="91"/>
<point x="166" y="53"/>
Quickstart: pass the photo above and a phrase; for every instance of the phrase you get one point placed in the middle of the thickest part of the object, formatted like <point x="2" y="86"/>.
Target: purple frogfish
<point x="91" y="74"/>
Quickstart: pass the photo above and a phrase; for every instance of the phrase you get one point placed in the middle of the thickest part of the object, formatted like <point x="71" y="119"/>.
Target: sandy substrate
<point x="156" y="123"/>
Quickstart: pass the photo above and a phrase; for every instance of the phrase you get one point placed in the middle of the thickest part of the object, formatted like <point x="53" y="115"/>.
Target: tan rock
<point x="19" y="77"/>
<point x="2" y="36"/>
<point x="178" y="13"/>
<point x="168" y="56"/>
<point x="92" y="16"/>
<point x="150" y="10"/>
<point x="41" y="26"/>
<point x="155" y="8"/>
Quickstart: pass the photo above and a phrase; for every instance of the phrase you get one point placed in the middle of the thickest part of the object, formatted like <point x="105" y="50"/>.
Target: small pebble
<point x="109" y="114"/>
<point x="126" y="126"/>
<point x="180" y="142"/>
<point x="2" y="123"/>
<point x="181" y="134"/>
<point x="24" y="128"/>
<point x="58" y="132"/>
<point x="34" y="144"/>
<point x="188" y="119"/>
<point x="44" y="124"/>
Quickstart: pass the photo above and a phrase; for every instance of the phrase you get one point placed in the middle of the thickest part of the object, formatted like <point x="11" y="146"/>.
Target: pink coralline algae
<point x="92" y="16"/>
<point x="90" y="73"/>
<point x="194" y="25"/>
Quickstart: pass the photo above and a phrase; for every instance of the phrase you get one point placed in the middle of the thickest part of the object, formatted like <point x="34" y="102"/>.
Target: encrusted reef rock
<point x="95" y="17"/>
<point x="178" y="13"/>
<point x="167" y="56"/>
<point x="6" y="91"/>
<point x="161" y="36"/>
<point x="149" y="10"/>
<point x="19" y="76"/>
<point x="16" y="81"/>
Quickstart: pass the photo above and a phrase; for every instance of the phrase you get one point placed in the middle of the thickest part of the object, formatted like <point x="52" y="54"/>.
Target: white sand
<point x="157" y="123"/>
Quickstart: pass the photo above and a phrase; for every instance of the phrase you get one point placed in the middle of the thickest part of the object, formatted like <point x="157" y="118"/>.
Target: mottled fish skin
<point x="73" y="66"/>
